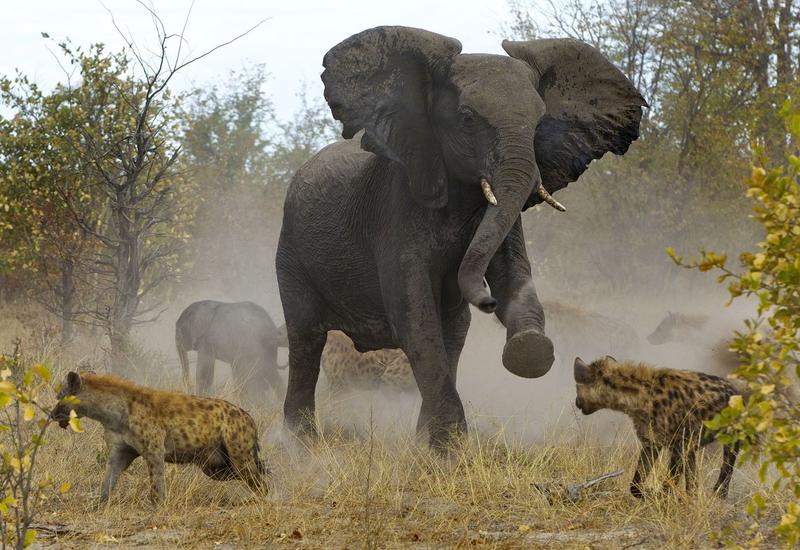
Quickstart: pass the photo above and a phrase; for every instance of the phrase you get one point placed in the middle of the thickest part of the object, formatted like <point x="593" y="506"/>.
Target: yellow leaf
<point x="6" y="386"/>
<point x="523" y="528"/>
<point x="28" y="412"/>
<point x="30" y="536"/>
<point x="64" y="488"/>
<point x="42" y="371"/>
<point x="735" y="402"/>
<point x="74" y="422"/>
<point x="767" y="389"/>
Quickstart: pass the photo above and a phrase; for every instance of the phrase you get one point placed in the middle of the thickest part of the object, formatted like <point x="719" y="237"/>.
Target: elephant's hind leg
<point x="302" y="309"/>
<point x="205" y="370"/>
<point x="305" y="349"/>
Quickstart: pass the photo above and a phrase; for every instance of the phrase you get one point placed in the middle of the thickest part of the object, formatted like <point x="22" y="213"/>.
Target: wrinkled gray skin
<point x="387" y="235"/>
<point x="241" y="334"/>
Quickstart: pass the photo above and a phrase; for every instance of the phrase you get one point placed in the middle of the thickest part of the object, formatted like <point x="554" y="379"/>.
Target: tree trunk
<point x="126" y="295"/>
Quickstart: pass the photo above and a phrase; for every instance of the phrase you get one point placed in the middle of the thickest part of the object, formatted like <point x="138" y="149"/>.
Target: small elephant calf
<point x="164" y="426"/>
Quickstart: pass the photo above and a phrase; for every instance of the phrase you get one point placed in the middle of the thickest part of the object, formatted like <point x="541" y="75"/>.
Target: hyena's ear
<point x="611" y="358"/>
<point x="74" y="383"/>
<point x="582" y="372"/>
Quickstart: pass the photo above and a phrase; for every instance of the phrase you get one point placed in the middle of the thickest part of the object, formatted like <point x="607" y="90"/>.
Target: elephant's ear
<point x="591" y="107"/>
<point x="381" y="80"/>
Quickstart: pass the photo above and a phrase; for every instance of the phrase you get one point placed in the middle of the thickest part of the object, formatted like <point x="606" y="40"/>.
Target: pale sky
<point x="291" y="43"/>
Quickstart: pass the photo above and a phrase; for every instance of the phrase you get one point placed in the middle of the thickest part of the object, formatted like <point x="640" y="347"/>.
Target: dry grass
<point x="383" y="491"/>
<point x="368" y="483"/>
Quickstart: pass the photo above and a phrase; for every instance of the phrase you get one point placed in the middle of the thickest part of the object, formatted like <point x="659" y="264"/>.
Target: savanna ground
<point x="370" y="483"/>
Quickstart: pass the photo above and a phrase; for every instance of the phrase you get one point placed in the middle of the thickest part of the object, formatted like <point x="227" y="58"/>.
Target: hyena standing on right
<point x="667" y="407"/>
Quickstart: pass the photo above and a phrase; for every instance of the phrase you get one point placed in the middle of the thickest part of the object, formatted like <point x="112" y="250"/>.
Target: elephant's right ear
<point x="381" y="80"/>
<point x="591" y="107"/>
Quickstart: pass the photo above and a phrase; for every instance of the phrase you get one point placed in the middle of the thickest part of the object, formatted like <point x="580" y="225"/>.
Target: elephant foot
<point x="302" y="424"/>
<point x="528" y="354"/>
<point x="445" y="437"/>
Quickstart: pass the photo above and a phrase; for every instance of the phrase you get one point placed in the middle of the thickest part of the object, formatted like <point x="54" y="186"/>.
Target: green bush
<point x="23" y="422"/>
<point x="767" y="421"/>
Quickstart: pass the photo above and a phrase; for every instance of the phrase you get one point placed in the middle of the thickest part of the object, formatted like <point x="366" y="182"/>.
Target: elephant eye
<point x="467" y="115"/>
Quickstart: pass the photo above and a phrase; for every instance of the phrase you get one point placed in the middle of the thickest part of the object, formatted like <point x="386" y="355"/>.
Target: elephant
<point x="241" y="334"/>
<point x="389" y="234"/>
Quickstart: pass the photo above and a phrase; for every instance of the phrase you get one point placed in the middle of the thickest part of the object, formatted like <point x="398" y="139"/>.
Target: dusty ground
<point x="385" y="491"/>
<point x="369" y="483"/>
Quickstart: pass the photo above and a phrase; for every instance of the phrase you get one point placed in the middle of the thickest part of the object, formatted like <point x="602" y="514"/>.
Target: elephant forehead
<point x="497" y="86"/>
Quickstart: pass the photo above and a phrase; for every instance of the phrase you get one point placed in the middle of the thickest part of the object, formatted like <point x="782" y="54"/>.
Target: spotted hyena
<point x="164" y="426"/>
<point x="346" y="368"/>
<point x="667" y="407"/>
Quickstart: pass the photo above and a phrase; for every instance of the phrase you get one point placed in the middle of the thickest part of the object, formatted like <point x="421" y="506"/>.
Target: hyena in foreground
<point x="163" y="426"/>
<point x="667" y="407"/>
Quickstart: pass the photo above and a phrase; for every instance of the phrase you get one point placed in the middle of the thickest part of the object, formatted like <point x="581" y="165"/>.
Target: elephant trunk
<point x="511" y="183"/>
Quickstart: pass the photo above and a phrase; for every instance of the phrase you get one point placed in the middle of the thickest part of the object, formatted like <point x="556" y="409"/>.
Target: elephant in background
<point x="241" y="334"/>
<point x="388" y="235"/>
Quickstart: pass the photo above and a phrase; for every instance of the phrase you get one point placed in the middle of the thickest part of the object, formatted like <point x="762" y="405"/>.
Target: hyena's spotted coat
<point x="668" y="408"/>
<point x="164" y="426"/>
<point x="346" y="368"/>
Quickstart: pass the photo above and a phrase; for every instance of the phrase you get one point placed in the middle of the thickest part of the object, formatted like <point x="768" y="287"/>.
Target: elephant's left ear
<point x="591" y="107"/>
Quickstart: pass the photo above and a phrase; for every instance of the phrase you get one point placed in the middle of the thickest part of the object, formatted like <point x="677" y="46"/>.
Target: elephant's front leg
<point x="455" y="324"/>
<point x="416" y="320"/>
<point x="528" y="352"/>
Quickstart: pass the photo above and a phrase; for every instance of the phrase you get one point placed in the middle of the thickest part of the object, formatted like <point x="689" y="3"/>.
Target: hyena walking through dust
<point x="164" y="426"/>
<point x="667" y="407"/>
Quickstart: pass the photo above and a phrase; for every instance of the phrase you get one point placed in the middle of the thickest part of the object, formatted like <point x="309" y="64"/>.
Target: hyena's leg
<point x="690" y="467"/>
<point x="154" y="456"/>
<point x="216" y="465"/>
<point x="241" y="443"/>
<point x="647" y="458"/>
<point x="120" y="457"/>
<point x="729" y="453"/>
<point x="675" y="466"/>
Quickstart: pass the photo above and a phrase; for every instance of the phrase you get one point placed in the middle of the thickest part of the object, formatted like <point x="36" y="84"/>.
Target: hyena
<point x="163" y="426"/>
<point x="347" y="369"/>
<point x="667" y="407"/>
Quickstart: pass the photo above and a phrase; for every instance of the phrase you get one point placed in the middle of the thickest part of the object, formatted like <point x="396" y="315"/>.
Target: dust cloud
<point x="581" y="321"/>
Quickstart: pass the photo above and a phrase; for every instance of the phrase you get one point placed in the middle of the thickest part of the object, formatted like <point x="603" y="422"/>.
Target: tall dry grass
<point x="369" y="483"/>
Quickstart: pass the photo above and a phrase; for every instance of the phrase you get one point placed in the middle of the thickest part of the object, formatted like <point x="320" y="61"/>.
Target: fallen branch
<point x="571" y="493"/>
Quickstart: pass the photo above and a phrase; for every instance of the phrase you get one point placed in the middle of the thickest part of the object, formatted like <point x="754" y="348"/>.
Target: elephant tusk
<point x="487" y="192"/>
<point x="548" y="198"/>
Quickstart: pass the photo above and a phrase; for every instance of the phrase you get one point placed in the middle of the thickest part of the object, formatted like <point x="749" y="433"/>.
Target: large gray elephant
<point x="241" y="334"/>
<point x="388" y="235"/>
